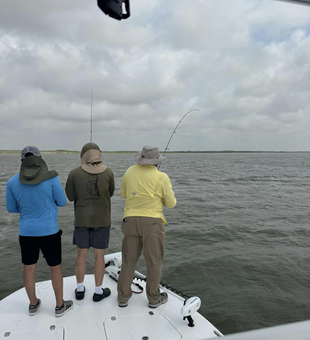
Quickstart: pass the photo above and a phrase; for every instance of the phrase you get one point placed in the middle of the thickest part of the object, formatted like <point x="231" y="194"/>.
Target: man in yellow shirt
<point x="146" y="190"/>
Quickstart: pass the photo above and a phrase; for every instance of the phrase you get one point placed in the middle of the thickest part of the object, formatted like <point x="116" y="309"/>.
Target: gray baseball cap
<point x="32" y="150"/>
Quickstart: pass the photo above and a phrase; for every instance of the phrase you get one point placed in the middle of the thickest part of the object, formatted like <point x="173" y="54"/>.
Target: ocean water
<point x="239" y="236"/>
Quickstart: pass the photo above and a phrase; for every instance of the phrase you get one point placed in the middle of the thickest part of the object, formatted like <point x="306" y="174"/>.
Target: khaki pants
<point x="147" y="233"/>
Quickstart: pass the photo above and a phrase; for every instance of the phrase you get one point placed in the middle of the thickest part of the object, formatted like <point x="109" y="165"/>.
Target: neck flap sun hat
<point x="34" y="171"/>
<point x="149" y="156"/>
<point x="91" y="161"/>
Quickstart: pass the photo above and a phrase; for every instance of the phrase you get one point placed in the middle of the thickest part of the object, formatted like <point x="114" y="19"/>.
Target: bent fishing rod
<point x="174" y="131"/>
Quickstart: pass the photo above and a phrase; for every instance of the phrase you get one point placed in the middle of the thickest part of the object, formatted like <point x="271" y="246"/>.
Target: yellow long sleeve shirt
<point x="146" y="190"/>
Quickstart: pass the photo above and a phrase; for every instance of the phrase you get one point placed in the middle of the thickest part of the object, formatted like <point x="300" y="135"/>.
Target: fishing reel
<point x="114" y="8"/>
<point x="190" y="307"/>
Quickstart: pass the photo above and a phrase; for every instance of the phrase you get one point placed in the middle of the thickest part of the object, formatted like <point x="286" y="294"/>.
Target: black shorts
<point x="85" y="237"/>
<point x="49" y="245"/>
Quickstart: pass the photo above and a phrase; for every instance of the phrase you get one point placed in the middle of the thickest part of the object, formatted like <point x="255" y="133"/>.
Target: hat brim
<point x="94" y="168"/>
<point x="147" y="161"/>
<point x="91" y="162"/>
<point x="34" y="170"/>
<point x="31" y="181"/>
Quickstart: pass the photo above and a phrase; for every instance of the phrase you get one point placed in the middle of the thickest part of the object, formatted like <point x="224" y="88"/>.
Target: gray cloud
<point x="244" y="65"/>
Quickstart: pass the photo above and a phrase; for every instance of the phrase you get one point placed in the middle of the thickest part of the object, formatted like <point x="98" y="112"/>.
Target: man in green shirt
<point x="146" y="190"/>
<point x="90" y="187"/>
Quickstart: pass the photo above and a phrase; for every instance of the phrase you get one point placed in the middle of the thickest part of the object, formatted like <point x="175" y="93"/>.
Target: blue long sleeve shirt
<point x="36" y="204"/>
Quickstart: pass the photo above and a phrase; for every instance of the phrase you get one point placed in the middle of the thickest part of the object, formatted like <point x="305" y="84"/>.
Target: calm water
<point x="238" y="238"/>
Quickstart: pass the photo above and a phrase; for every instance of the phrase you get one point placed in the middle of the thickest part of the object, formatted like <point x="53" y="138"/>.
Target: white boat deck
<point x="103" y="320"/>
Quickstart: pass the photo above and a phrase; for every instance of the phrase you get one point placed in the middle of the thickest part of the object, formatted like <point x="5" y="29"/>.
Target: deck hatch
<point x="139" y="326"/>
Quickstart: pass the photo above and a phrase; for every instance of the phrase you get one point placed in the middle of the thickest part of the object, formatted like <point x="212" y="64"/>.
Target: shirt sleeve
<point x="11" y="203"/>
<point x="168" y="194"/>
<point x="70" y="192"/>
<point x="58" y="193"/>
<point x="123" y="187"/>
<point x="112" y="185"/>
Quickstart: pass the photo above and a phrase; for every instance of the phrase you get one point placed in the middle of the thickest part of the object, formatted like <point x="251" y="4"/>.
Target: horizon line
<point x="187" y="151"/>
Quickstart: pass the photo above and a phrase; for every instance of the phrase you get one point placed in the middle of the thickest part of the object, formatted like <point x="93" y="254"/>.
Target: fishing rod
<point x="91" y="115"/>
<point x="174" y="131"/>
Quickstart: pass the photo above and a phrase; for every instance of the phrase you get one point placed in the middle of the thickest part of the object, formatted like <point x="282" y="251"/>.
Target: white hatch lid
<point x="148" y="326"/>
<point x="35" y="334"/>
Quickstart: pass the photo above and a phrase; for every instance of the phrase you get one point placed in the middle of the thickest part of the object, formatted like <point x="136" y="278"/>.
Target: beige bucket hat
<point x="149" y="156"/>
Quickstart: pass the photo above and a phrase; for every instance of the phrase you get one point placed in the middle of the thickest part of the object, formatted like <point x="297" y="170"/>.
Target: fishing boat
<point x="104" y="320"/>
<point x="177" y="319"/>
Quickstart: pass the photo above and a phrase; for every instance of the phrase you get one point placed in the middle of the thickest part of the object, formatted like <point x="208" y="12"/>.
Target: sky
<point x="242" y="66"/>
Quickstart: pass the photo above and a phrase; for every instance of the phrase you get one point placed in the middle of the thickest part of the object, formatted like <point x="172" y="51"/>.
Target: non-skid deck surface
<point x="103" y="320"/>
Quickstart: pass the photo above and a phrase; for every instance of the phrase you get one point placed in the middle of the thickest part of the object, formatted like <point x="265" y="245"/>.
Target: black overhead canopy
<point x="115" y="8"/>
<point x="301" y="2"/>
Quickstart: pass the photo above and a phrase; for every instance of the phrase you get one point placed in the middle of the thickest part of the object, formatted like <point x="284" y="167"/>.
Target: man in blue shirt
<point x="35" y="193"/>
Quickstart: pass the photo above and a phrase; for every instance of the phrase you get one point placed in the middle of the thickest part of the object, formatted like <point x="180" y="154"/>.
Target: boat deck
<point x="103" y="320"/>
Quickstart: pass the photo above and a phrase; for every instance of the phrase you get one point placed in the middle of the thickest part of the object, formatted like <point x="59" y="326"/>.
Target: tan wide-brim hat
<point x="91" y="162"/>
<point x="149" y="156"/>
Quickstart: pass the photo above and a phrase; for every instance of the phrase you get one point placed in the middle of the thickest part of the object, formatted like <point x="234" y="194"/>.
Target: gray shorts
<point x="85" y="237"/>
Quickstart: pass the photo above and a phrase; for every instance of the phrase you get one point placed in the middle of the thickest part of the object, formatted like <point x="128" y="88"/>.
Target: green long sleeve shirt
<point x="91" y="195"/>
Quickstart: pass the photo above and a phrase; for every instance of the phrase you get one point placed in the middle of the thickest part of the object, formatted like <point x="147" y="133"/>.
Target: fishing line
<point x="174" y="131"/>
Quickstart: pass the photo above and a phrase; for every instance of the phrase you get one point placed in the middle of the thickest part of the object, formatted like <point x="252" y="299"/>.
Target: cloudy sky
<point x="244" y="64"/>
